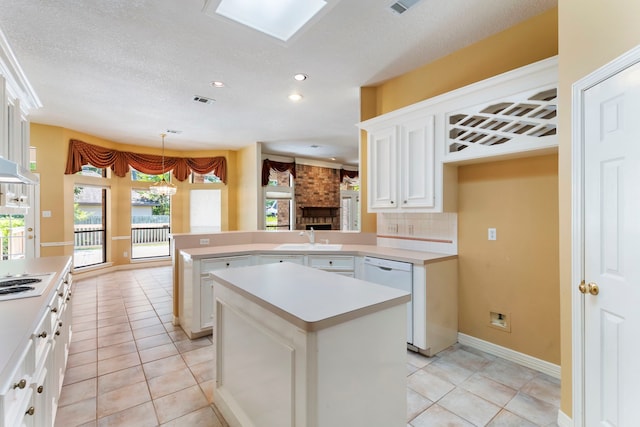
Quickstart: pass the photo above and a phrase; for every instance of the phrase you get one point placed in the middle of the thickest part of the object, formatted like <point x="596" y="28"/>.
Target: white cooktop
<point x="12" y="281"/>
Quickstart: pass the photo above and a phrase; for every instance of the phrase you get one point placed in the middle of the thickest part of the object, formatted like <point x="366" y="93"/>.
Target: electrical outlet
<point x="204" y="241"/>
<point x="46" y="214"/>
<point x="125" y="254"/>
<point x="492" y="234"/>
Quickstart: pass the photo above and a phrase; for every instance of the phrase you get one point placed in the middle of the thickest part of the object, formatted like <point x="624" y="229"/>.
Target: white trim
<point x="564" y="420"/>
<point x="511" y="355"/>
<point x="49" y="244"/>
<point x="546" y="70"/>
<point x="276" y="158"/>
<point x="110" y="268"/>
<point x="17" y="82"/>
<point x="121" y="238"/>
<point x="578" y="90"/>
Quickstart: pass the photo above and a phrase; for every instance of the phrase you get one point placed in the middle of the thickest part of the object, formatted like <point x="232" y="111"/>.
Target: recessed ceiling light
<point x="295" y="97"/>
<point x="300" y="77"/>
<point x="278" y="18"/>
<point x="217" y="83"/>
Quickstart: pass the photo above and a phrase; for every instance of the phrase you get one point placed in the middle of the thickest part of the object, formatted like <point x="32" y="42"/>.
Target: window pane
<point x="143" y="177"/>
<point x="282" y="179"/>
<point x="209" y="178"/>
<point x="89" y="170"/>
<point x="278" y="214"/>
<point x="204" y="212"/>
<point x="13" y="237"/>
<point x="89" y="226"/>
<point x="150" y="224"/>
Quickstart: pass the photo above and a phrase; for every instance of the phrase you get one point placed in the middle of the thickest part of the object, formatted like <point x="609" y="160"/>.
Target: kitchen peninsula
<point x="324" y="348"/>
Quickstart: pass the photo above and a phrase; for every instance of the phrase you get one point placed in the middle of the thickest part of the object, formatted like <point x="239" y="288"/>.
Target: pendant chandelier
<point x="163" y="187"/>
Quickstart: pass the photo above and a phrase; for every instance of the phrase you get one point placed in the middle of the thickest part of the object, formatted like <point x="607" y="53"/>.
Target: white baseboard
<point x="564" y="420"/>
<point x="511" y="355"/>
<point x="98" y="270"/>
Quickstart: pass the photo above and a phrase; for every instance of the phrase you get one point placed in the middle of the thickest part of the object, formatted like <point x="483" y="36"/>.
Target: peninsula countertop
<point x="414" y="257"/>
<point x="308" y="298"/>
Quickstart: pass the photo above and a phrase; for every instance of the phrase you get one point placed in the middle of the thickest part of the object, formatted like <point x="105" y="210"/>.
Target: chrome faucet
<point x="311" y="234"/>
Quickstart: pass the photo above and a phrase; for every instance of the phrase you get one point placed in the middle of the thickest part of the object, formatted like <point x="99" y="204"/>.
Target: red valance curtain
<point x="267" y="165"/>
<point x="81" y="153"/>
<point x="347" y="173"/>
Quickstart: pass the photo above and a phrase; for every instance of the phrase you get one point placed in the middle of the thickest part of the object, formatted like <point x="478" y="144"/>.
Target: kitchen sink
<point x="309" y="247"/>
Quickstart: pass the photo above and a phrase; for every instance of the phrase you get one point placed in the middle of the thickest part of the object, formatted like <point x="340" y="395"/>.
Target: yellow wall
<point x="56" y="193"/>
<point x="248" y="190"/>
<point x="592" y="33"/>
<point x="520" y="251"/>
<point x="517" y="274"/>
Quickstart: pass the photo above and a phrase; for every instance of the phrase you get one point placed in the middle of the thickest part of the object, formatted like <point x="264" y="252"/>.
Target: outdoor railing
<point x="147" y="242"/>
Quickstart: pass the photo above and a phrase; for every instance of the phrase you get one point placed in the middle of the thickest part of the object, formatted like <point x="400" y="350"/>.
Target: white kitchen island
<point x="296" y="346"/>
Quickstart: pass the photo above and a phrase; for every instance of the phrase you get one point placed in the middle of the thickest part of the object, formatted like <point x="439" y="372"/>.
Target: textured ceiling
<point x="127" y="70"/>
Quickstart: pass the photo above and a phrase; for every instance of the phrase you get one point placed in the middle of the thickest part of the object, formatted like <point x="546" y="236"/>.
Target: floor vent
<point x="203" y="99"/>
<point x="402" y="6"/>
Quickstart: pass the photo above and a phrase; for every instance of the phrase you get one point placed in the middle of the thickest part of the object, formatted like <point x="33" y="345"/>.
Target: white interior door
<point x="611" y="348"/>
<point x="32" y="222"/>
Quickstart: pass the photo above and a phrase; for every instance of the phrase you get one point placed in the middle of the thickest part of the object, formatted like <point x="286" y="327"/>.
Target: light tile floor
<point x="129" y="366"/>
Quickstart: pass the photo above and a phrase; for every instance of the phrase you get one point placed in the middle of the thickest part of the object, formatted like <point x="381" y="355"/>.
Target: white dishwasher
<point x="395" y="274"/>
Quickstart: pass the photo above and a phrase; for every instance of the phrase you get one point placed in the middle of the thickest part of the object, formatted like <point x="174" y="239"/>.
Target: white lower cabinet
<point x="340" y="264"/>
<point x="196" y="291"/>
<point x="30" y="397"/>
<point x="271" y="259"/>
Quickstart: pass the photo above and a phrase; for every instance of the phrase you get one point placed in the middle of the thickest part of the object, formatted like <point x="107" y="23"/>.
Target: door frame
<point x="579" y="88"/>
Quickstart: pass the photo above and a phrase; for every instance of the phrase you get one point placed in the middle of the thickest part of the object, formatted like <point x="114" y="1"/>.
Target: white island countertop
<point x="309" y="298"/>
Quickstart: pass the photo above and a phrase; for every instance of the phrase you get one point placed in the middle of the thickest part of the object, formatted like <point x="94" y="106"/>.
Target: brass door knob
<point x="593" y="289"/>
<point x="20" y="384"/>
<point x="31" y="411"/>
<point x="582" y="287"/>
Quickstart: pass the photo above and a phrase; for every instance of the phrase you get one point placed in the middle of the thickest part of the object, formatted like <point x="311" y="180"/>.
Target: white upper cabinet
<point x="413" y="152"/>
<point x="382" y="158"/>
<point x="401" y="166"/>
<point x="417" y="163"/>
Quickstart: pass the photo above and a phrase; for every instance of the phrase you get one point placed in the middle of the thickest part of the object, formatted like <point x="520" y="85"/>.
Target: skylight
<point x="278" y="18"/>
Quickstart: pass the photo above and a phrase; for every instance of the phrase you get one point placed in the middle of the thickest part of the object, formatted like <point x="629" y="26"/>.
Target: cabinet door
<point x="381" y="154"/>
<point x="417" y="164"/>
<point x="206" y="302"/>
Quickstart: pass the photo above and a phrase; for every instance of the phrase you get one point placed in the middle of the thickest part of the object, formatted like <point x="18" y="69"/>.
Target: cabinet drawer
<point x="331" y="262"/>
<point x="17" y="397"/>
<point x="271" y="259"/>
<point x="222" y="263"/>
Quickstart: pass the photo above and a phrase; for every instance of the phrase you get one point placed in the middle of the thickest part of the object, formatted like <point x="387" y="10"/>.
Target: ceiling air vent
<point x="203" y="99"/>
<point x="402" y="6"/>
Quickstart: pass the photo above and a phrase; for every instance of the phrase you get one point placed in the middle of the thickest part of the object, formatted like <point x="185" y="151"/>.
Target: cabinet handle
<point x="392" y="202"/>
<point x="43" y="334"/>
<point x="227" y="264"/>
<point x="69" y="297"/>
<point x="330" y="262"/>
<point x="60" y="324"/>
<point x="40" y="389"/>
<point x="405" y="202"/>
<point x="61" y="294"/>
<point x="31" y="411"/>
<point x="20" y="384"/>
<point x="54" y="310"/>
<point x="57" y="333"/>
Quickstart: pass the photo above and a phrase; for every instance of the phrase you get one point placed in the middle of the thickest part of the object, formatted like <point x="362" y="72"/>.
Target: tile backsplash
<point x="437" y="232"/>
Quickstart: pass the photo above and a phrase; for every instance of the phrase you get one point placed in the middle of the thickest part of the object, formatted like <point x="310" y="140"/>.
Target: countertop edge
<point x="404" y="255"/>
<point x="312" y="325"/>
